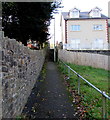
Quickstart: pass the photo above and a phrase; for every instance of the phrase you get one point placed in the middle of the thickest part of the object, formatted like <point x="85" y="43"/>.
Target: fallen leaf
<point x="38" y="94"/>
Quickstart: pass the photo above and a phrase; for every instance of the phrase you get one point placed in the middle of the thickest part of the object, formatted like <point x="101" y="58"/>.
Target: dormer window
<point x="74" y="13"/>
<point x="96" y="12"/>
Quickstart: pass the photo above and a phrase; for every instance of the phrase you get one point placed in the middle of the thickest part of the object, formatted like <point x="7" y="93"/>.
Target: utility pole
<point x="54" y="43"/>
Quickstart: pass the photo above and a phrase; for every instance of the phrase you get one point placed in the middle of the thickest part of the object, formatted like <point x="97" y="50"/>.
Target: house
<point x="33" y="44"/>
<point x="84" y="30"/>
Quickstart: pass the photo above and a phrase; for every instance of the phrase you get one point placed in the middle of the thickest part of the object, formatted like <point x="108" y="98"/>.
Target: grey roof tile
<point x="83" y="15"/>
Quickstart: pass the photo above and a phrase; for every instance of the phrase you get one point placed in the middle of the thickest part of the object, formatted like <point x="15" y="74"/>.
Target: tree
<point x="27" y="20"/>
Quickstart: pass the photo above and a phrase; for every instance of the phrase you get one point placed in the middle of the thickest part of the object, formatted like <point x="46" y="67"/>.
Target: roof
<point x="82" y="15"/>
<point x="96" y="8"/>
<point x="74" y="9"/>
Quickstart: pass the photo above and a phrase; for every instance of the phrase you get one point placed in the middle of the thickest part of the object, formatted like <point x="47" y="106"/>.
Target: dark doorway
<point x="50" y="55"/>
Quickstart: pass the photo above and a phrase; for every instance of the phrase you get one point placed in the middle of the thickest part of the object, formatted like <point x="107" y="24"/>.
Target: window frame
<point x="75" y="13"/>
<point x="96" y="13"/>
<point x="98" y="43"/>
<point x="76" y="40"/>
<point x="75" y="28"/>
<point x="97" y="27"/>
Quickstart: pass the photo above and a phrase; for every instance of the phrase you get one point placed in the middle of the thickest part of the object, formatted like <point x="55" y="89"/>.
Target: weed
<point x="20" y="117"/>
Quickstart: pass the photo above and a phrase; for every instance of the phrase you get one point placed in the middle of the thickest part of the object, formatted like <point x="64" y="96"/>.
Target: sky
<point x="82" y="5"/>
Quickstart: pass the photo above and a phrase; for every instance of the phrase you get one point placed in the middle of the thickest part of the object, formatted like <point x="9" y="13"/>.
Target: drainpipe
<point x="65" y="31"/>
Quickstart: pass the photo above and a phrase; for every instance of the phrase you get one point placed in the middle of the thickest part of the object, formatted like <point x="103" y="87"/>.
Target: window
<point x="95" y="13"/>
<point x="75" y="13"/>
<point x="98" y="43"/>
<point x="75" y="43"/>
<point x="97" y="27"/>
<point x="75" y="27"/>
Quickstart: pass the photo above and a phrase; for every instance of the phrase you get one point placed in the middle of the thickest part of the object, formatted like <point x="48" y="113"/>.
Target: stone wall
<point x="20" y="68"/>
<point x="87" y="59"/>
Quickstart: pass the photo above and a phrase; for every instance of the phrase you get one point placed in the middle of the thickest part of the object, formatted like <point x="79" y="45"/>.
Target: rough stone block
<point x="18" y="75"/>
<point x="4" y="69"/>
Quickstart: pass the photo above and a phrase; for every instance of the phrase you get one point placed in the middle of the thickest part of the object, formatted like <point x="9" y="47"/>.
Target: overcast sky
<point x="82" y="5"/>
<point x="86" y="5"/>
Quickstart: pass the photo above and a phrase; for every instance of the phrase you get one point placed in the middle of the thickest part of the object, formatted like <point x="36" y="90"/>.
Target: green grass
<point x="92" y="100"/>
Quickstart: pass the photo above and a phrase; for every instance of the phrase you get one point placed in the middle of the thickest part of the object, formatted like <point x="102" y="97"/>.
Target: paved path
<point x="51" y="100"/>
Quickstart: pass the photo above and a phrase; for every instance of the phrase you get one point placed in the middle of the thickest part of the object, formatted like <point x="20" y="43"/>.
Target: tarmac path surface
<point x="50" y="99"/>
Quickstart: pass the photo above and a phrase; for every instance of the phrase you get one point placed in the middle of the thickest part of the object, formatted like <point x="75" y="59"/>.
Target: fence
<point x="87" y="59"/>
<point x="104" y="95"/>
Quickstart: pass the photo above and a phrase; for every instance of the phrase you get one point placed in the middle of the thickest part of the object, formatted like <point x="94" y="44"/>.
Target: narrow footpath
<point x="49" y="99"/>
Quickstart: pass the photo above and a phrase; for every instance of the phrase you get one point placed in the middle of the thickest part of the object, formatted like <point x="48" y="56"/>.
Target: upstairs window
<point x="75" y="27"/>
<point x="96" y="13"/>
<point x="74" y="13"/>
<point x="97" y="27"/>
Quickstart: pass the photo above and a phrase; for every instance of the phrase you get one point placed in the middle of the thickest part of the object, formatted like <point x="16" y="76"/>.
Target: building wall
<point x="87" y="59"/>
<point x="86" y="34"/>
<point x="20" y="68"/>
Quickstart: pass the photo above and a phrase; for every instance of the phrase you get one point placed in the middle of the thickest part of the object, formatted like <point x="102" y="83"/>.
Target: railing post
<point x="78" y="84"/>
<point x="68" y="71"/>
<point x="64" y="69"/>
<point x="104" y="106"/>
<point x="58" y="60"/>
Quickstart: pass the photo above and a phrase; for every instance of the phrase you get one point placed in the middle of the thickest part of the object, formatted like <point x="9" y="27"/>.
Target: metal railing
<point x="92" y="46"/>
<point x="104" y="95"/>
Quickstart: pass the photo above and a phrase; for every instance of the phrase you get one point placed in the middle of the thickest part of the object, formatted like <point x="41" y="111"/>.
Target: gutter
<point x="83" y="18"/>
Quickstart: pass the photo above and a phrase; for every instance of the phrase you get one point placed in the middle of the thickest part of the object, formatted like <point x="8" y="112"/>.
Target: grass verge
<point x="89" y="102"/>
